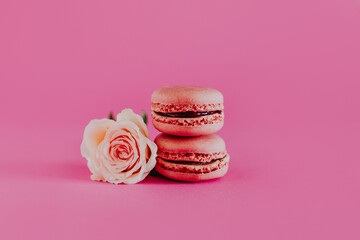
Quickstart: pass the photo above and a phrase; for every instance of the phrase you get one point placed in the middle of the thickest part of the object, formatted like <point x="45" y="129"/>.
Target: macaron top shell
<point x="186" y="95"/>
<point x="203" y="144"/>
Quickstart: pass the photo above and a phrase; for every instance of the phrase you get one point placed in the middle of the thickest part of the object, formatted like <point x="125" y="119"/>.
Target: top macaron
<point x="187" y="110"/>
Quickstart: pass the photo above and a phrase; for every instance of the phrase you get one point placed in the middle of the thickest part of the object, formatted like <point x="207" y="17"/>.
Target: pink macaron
<point x="191" y="158"/>
<point x="187" y="110"/>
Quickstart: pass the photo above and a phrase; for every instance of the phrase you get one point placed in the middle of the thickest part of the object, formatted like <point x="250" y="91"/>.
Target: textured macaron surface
<point x="169" y="108"/>
<point x="195" y="167"/>
<point x="191" y="157"/>
<point x="195" y="155"/>
<point x="186" y="95"/>
<point x="186" y="102"/>
<point x="190" y="176"/>
<point x="187" y="110"/>
<point x="203" y="144"/>
<point x="196" y="121"/>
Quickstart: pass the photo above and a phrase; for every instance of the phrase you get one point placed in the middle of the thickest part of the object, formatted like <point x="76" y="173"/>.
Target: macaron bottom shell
<point x="193" y="171"/>
<point x="192" y="177"/>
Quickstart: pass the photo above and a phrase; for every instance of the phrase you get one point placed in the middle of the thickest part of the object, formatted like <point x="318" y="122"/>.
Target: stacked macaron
<point x="188" y="149"/>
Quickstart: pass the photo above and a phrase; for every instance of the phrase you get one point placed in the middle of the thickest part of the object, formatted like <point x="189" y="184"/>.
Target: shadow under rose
<point x="66" y="170"/>
<point x="234" y="175"/>
<point x="78" y="171"/>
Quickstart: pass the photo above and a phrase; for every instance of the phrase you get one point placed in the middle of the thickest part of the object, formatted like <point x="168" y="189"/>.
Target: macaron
<point x="191" y="158"/>
<point x="187" y="110"/>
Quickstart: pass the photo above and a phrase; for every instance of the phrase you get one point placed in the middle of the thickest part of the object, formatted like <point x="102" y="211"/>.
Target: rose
<point x="119" y="151"/>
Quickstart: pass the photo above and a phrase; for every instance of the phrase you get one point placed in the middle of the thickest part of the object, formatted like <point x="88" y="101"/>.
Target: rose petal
<point x="128" y="115"/>
<point x="94" y="133"/>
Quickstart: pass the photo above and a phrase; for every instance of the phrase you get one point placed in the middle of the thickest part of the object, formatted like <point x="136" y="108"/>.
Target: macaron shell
<point x="190" y="157"/>
<point x="192" y="177"/>
<point x="192" y="167"/>
<point x="203" y="144"/>
<point x="179" y="130"/>
<point x="166" y="108"/>
<point x="186" y="95"/>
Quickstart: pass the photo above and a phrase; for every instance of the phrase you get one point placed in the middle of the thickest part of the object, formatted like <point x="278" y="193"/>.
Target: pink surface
<point x="289" y="72"/>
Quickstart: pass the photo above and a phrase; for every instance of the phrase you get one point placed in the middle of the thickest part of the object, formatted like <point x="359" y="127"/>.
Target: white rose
<point x="119" y="152"/>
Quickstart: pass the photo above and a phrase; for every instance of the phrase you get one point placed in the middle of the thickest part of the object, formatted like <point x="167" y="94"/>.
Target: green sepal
<point x="144" y="116"/>
<point x="111" y="116"/>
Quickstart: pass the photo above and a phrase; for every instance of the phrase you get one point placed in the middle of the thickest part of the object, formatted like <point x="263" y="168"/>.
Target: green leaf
<point x="144" y="116"/>
<point x="111" y="115"/>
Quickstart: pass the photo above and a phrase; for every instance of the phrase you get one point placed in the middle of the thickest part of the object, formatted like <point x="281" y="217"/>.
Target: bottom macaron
<point x="191" y="159"/>
<point x="192" y="176"/>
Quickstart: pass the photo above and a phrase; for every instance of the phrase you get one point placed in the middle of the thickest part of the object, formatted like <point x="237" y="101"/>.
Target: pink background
<point x="289" y="71"/>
